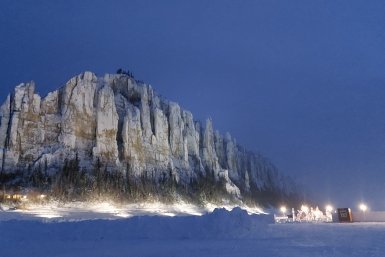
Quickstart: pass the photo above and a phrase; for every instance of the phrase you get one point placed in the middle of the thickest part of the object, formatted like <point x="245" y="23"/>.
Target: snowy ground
<point x="221" y="233"/>
<point x="75" y="211"/>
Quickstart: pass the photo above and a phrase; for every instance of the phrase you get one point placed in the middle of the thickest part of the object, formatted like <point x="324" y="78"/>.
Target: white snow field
<point x="221" y="233"/>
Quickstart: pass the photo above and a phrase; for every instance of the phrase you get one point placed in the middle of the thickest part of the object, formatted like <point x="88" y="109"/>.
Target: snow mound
<point x="76" y="211"/>
<point x="219" y="224"/>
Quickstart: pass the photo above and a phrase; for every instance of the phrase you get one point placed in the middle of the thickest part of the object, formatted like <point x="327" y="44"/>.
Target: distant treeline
<point x="129" y="74"/>
<point x="74" y="183"/>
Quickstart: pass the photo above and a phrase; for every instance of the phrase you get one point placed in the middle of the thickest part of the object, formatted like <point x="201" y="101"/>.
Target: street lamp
<point x="283" y="210"/>
<point x="363" y="207"/>
<point x="328" y="213"/>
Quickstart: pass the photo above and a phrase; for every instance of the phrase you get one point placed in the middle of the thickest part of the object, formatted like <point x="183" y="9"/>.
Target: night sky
<point x="302" y="82"/>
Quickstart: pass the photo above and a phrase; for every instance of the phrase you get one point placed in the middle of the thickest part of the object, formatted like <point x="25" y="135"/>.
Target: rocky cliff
<point x="129" y="128"/>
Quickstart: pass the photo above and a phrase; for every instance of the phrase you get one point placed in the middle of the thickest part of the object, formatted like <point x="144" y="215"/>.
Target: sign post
<point x="344" y="215"/>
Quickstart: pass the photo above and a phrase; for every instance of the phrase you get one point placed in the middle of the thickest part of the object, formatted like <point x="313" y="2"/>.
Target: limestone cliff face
<point x="128" y="127"/>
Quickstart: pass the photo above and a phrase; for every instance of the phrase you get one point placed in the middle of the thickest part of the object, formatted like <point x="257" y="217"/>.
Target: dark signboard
<point x="344" y="215"/>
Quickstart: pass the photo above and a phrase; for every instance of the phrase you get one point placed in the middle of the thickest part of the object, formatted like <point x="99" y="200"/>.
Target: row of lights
<point x="363" y="207"/>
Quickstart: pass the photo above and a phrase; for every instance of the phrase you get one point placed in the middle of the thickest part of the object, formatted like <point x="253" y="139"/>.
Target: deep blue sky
<point x="301" y="81"/>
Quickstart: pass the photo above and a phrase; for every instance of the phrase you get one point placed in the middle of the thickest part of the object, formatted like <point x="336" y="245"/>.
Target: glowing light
<point x="304" y="208"/>
<point x="329" y="208"/>
<point x="41" y="211"/>
<point x="363" y="207"/>
<point x="283" y="209"/>
<point x="48" y="215"/>
<point x="123" y="215"/>
<point x="168" y="214"/>
<point x="81" y="210"/>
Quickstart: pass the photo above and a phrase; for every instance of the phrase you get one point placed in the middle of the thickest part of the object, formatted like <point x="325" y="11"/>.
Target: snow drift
<point x="218" y="224"/>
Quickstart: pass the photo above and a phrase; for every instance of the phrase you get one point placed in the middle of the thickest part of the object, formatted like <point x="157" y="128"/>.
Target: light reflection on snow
<point x="169" y="214"/>
<point x="110" y="210"/>
<point x="103" y="208"/>
<point x="250" y="210"/>
<point x="123" y="215"/>
<point x="41" y="212"/>
<point x="48" y="215"/>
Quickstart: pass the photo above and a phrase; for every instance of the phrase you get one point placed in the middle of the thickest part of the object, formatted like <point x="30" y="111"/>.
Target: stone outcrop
<point x="129" y="128"/>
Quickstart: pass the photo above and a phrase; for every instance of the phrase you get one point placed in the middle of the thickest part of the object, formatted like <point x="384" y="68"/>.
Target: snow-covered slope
<point x="124" y="125"/>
